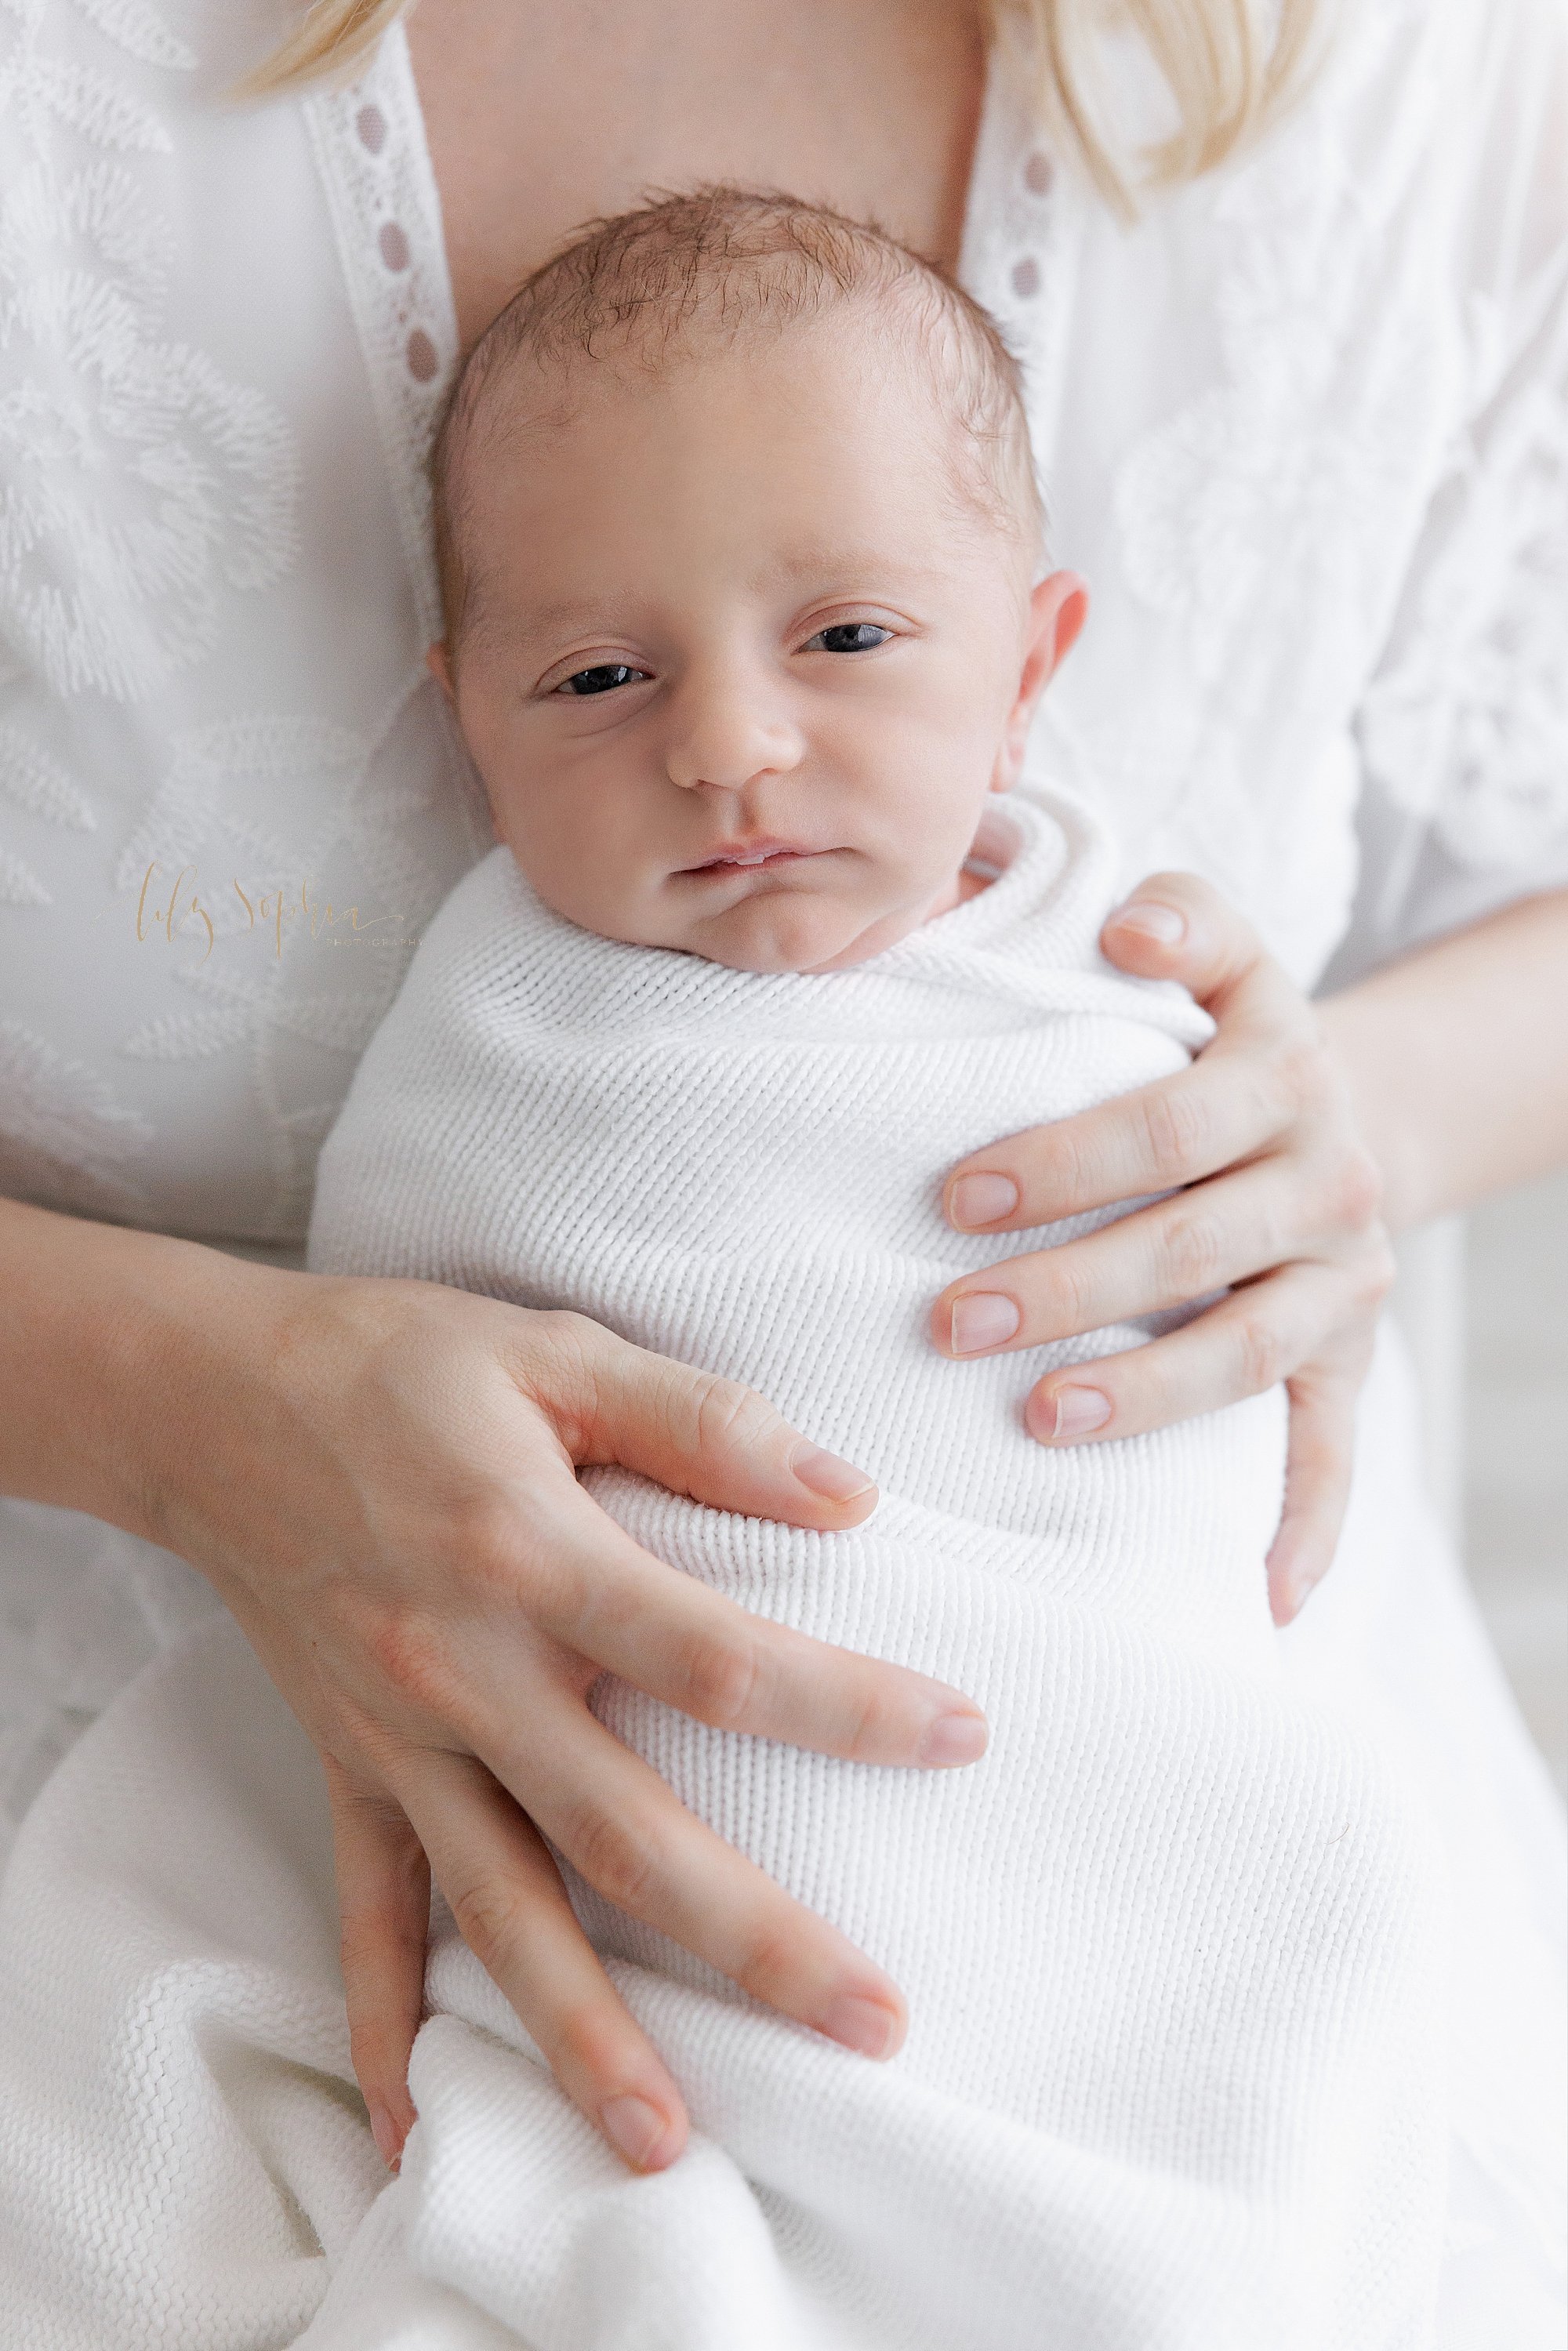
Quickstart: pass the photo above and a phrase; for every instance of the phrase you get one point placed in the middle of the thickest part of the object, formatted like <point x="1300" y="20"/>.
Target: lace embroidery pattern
<point x="36" y="783"/>
<point x="1307" y="470"/>
<point x="64" y="1138"/>
<point x="1466" y="725"/>
<point x="387" y="215"/>
<point x="84" y="1606"/>
<point x="139" y="484"/>
<point x="1260" y="466"/>
<point x="138" y="481"/>
<point x="39" y="784"/>
<point x="304" y="771"/>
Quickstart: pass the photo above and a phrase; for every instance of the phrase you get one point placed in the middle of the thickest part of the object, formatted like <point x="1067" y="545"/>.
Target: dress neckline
<point x="373" y="156"/>
<point x="374" y="162"/>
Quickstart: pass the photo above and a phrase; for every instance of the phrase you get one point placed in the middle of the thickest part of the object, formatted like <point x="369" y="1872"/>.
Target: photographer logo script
<point x="166" y="910"/>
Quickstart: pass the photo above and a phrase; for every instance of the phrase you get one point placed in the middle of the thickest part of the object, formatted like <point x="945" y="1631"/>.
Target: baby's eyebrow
<point x="842" y="569"/>
<point x="569" y="618"/>
<point x="860" y="564"/>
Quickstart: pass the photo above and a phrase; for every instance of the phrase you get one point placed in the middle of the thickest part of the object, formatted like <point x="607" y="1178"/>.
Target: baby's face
<point x="743" y="660"/>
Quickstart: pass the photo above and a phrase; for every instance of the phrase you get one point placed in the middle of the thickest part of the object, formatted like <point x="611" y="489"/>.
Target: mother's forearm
<point x="93" y="1322"/>
<point x="1457" y="1057"/>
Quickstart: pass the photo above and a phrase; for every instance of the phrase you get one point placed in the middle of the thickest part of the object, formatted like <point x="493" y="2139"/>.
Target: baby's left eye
<point x="604" y="678"/>
<point x="848" y="637"/>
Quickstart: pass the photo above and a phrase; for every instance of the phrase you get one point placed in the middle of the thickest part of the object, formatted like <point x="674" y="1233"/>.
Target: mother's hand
<point x="1274" y="1197"/>
<point x="383" y="1485"/>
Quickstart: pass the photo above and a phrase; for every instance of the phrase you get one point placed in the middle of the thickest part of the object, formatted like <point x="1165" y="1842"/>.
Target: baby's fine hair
<point x="640" y="289"/>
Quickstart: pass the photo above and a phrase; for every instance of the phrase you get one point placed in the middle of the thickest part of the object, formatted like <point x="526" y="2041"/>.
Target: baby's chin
<point x="795" y="931"/>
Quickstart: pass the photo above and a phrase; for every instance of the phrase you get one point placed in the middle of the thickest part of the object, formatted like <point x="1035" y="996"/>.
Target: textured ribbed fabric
<point x="1169" y="2073"/>
<point x="1173" y="2080"/>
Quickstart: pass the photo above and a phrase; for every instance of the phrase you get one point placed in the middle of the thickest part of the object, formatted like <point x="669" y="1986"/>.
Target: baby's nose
<point x="722" y="736"/>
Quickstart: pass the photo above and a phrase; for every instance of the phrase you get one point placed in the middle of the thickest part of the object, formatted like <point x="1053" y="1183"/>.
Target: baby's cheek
<point x="584" y="881"/>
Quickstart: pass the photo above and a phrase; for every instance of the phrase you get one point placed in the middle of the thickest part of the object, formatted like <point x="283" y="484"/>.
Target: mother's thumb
<point x="1179" y="926"/>
<point x="714" y="1439"/>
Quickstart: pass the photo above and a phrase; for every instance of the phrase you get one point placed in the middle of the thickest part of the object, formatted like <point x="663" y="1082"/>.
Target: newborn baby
<point x="740" y="549"/>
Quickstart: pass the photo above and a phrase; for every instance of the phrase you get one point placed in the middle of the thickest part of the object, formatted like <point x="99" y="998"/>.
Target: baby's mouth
<point x="734" y="855"/>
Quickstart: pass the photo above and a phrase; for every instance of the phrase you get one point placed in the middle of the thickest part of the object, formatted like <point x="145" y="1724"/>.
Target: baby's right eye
<point x="849" y="637"/>
<point x="603" y="678"/>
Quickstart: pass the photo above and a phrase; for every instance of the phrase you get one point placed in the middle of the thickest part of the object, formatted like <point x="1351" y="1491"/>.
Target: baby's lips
<point x="738" y="854"/>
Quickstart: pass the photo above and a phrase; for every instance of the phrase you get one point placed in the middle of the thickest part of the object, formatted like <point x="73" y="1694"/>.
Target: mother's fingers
<point x="591" y="1588"/>
<point x="714" y="1439"/>
<point x="1196" y="1241"/>
<point x="1179" y="926"/>
<point x="1227" y="1106"/>
<point x="511" y="1908"/>
<point x="383" y="1906"/>
<point x="1250" y="1340"/>
<point x="624" y="1828"/>
<point x="1267" y="1067"/>
<point x="1177" y="1131"/>
<point x="1317" y="1481"/>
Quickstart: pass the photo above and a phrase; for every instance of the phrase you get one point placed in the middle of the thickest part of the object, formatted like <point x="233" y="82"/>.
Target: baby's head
<point x="739" y="537"/>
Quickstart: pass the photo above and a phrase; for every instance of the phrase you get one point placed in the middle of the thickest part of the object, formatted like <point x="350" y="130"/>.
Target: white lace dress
<point x="1304" y="430"/>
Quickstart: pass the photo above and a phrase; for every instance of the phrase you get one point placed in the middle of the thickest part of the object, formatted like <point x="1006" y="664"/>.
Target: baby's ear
<point x="1057" y="609"/>
<point x="440" y="668"/>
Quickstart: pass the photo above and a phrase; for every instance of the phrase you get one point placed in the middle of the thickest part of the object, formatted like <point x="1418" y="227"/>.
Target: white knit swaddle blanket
<point x="1172" y="2077"/>
<point x="1167" y="2080"/>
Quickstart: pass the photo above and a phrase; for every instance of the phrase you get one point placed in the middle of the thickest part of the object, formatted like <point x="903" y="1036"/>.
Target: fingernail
<point x="1070" y="1412"/>
<point x="1298" y="1589"/>
<point x="953" y="1739"/>
<point x="981" y="1319"/>
<point x="980" y="1200"/>
<point x="383" y="2130"/>
<point x="862" y="2024"/>
<point x="635" y="2128"/>
<point x="1152" y="921"/>
<point x="825" y="1474"/>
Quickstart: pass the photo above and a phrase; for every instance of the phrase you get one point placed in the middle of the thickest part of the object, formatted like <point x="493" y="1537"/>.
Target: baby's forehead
<point x="534" y="384"/>
<point x="701" y="284"/>
<point x="809" y="390"/>
<point x="841" y="373"/>
<point x="811" y="461"/>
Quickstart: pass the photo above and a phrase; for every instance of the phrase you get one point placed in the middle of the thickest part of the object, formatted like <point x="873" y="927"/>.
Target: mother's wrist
<point x="112" y="1345"/>
<point x="1365" y="1049"/>
<point x="214" y="1332"/>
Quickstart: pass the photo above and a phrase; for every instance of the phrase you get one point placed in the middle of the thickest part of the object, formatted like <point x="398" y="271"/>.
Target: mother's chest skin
<point x="869" y="105"/>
